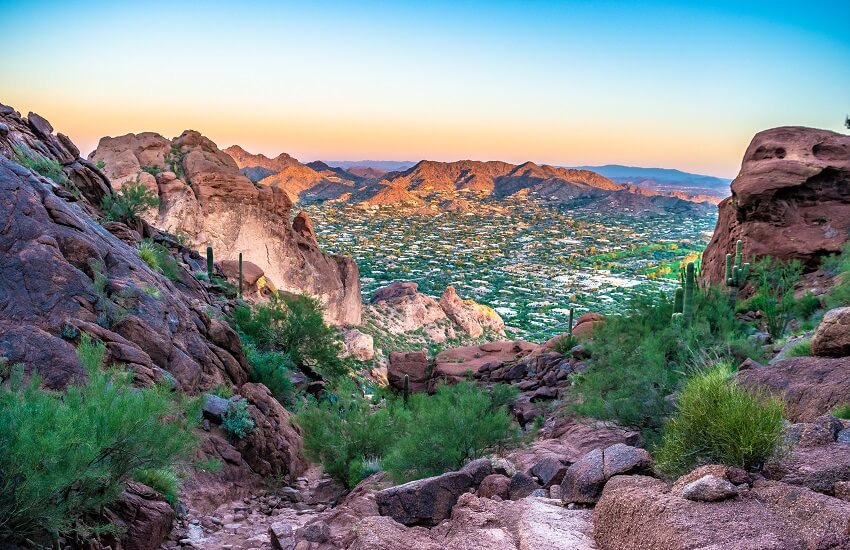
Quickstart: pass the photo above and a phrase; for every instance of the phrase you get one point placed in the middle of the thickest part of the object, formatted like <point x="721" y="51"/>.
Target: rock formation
<point x="791" y="200"/>
<point x="204" y="197"/>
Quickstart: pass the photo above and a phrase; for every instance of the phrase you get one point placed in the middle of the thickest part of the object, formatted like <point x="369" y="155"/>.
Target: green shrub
<point x="457" y="424"/>
<point x="839" y="264"/>
<point x="223" y="390"/>
<point x="273" y="369"/>
<point x="39" y="164"/>
<point x="293" y="324"/>
<point x="162" y="480"/>
<point x="65" y="456"/>
<point x="564" y="344"/>
<point x="129" y="203"/>
<point x="842" y="411"/>
<point x="343" y="434"/>
<point x="237" y="419"/>
<point x="640" y="357"/>
<point x="152" y="170"/>
<point x="806" y="306"/>
<point x="718" y="421"/>
<point x="802" y="349"/>
<point x="159" y="258"/>
<point x="774" y="282"/>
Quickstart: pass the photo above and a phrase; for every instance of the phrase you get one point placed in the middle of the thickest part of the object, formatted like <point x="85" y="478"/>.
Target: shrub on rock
<point x="719" y="422"/>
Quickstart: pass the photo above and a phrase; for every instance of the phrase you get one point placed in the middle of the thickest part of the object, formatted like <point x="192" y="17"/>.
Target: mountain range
<point x="458" y="185"/>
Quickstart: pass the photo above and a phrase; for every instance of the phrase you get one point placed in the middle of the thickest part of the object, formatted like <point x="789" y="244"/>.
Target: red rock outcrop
<point x="204" y="196"/>
<point x="791" y="200"/>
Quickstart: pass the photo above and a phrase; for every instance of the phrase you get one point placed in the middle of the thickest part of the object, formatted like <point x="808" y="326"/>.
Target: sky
<point x="661" y="84"/>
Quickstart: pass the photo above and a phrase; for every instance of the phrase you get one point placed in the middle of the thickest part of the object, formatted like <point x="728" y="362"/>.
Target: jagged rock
<point x="790" y="200"/>
<point x="282" y="536"/>
<point x="142" y="515"/>
<point x="832" y="338"/>
<point x="471" y="317"/>
<point x="550" y="470"/>
<point x="315" y="532"/>
<point x="709" y="488"/>
<point x="425" y="501"/>
<point x="213" y="204"/>
<point x="811" y="386"/>
<point x="478" y="469"/>
<point x="639" y="512"/>
<point x="452" y="365"/>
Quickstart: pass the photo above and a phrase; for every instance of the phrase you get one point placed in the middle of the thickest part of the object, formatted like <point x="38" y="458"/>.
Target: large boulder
<point x="414" y="365"/>
<point x="425" y="501"/>
<point x="143" y="517"/>
<point x="811" y="386"/>
<point x="791" y="200"/>
<point x="832" y="338"/>
<point x="641" y="513"/>
<point x="584" y="480"/>
<point x="453" y="365"/>
<point x="205" y="197"/>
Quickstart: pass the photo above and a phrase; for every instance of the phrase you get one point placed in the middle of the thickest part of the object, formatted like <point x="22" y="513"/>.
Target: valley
<point x="529" y="262"/>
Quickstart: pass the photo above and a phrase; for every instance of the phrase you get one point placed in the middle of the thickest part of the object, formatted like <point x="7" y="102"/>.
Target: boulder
<point x="142" y="515"/>
<point x="282" y="536"/>
<point x="495" y="485"/>
<point x="639" y="512"/>
<point x="357" y="344"/>
<point x="583" y="329"/>
<point x="215" y="407"/>
<point x="478" y="469"/>
<point x="425" y="501"/>
<point x="790" y="200"/>
<point x="818" y="467"/>
<point x="832" y="338"/>
<point x="550" y="470"/>
<point x="414" y="364"/>
<point x="521" y="486"/>
<point x="709" y="488"/>
<point x="584" y="479"/>
<point x="811" y="386"/>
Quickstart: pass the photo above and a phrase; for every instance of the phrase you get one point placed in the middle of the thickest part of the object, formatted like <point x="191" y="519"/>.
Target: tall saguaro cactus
<point x="683" y="305"/>
<point x="736" y="272"/>
<point x="209" y="262"/>
<point x="406" y="390"/>
<point x="240" y="275"/>
<point x="572" y="310"/>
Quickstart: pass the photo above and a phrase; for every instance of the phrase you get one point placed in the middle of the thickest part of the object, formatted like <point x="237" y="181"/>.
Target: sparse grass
<point x="842" y="411"/>
<point x="40" y="164"/>
<point x="802" y="349"/>
<point x="223" y="390"/>
<point x="161" y="480"/>
<point x="719" y="422"/>
<point x="159" y="258"/>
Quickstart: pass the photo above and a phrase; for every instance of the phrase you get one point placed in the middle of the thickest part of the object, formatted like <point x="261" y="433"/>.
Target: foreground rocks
<point x="790" y="200"/>
<point x="832" y="338"/>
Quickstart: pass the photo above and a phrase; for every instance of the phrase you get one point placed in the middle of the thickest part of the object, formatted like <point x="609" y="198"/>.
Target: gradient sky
<point x="673" y="84"/>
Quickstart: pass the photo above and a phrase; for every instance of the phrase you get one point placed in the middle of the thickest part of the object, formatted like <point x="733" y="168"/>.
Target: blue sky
<point x="677" y="84"/>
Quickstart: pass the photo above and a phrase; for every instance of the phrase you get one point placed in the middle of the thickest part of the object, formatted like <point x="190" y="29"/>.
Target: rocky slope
<point x="64" y="274"/>
<point x="791" y="200"/>
<point x="205" y="198"/>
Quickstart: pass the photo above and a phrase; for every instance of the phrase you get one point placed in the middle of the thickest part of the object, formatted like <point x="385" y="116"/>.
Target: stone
<point x="473" y="318"/>
<point x="317" y="531"/>
<point x="832" y="337"/>
<point x="282" y="536"/>
<point x="426" y="501"/>
<point x="815" y="467"/>
<point x="414" y="364"/>
<point x="521" y="486"/>
<point x="144" y="518"/>
<point x="478" y="469"/>
<point x="709" y="488"/>
<point x="495" y="485"/>
<point x="549" y="470"/>
<point x="584" y="479"/>
<point x="215" y="407"/>
<point x="621" y="459"/>
<point x="789" y="201"/>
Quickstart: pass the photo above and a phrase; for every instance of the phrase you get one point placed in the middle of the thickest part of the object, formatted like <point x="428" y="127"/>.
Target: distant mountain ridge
<point x="384" y="165"/>
<point x="663" y="178"/>
<point x="456" y="186"/>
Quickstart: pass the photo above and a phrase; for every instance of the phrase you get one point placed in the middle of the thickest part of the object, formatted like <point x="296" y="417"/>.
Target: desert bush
<point x="564" y="344"/>
<point x="457" y="424"/>
<point x="223" y="390"/>
<point x="774" y="297"/>
<point x="273" y="369"/>
<point x="159" y="259"/>
<point x="343" y="434"/>
<point x="842" y="411"/>
<point x="129" y="203"/>
<point x="293" y="324"/>
<point x="237" y="419"/>
<point x="641" y="357"/>
<point x="40" y="164"/>
<point x="838" y="264"/>
<point x="806" y="306"/>
<point x="719" y="422"/>
<point x="65" y="456"/>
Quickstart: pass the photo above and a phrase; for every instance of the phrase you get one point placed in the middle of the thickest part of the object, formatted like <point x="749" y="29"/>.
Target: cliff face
<point x="791" y="200"/>
<point x="205" y="197"/>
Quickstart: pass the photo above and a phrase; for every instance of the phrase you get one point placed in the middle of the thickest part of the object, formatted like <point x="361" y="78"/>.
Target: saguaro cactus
<point x="683" y="304"/>
<point x="405" y="390"/>
<point x="240" y="275"/>
<point x="209" y="262"/>
<point x="572" y="310"/>
<point x="736" y="272"/>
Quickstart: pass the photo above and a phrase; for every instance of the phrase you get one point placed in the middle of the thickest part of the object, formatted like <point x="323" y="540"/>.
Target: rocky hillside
<point x="791" y="200"/>
<point x="205" y="199"/>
